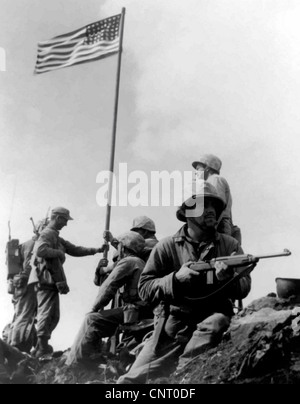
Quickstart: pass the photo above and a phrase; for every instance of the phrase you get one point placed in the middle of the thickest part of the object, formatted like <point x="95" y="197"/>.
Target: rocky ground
<point x="262" y="346"/>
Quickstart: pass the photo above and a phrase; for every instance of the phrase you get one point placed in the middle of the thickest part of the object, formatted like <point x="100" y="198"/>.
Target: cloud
<point x="209" y="74"/>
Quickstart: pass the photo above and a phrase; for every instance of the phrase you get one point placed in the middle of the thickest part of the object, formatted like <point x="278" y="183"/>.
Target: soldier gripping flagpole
<point x="114" y="132"/>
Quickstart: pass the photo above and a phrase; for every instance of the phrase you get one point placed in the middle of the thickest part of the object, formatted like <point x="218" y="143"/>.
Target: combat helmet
<point x="209" y="160"/>
<point x="193" y="202"/>
<point x="132" y="241"/>
<point x="143" y="222"/>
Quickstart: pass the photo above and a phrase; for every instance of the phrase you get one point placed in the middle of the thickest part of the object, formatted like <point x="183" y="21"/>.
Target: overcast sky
<point x="198" y="76"/>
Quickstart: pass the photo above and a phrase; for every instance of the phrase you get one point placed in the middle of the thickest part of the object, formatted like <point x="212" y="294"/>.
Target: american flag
<point x="93" y="42"/>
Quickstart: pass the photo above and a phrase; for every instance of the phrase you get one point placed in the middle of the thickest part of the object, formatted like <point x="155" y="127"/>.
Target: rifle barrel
<point x="285" y="253"/>
<point x="33" y="224"/>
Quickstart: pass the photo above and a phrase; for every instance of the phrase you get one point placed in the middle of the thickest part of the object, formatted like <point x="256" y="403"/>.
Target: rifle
<point x="43" y="222"/>
<point x="47" y="218"/>
<point x="34" y="226"/>
<point x="233" y="261"/>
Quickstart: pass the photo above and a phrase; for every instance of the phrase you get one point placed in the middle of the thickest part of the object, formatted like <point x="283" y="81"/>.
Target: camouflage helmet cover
<point x="143" y="222"/>
<point x="133" y="241"/>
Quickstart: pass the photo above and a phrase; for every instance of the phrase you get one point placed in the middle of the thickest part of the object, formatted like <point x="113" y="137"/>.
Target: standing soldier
<point x="209" y="167"/>
<point x="49" y="277"/>
<point x="23" y="333"/>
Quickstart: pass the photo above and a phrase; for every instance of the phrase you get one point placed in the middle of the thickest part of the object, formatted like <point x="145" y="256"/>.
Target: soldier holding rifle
<point x="187" y="327"/>
<point x="191" y="288"/>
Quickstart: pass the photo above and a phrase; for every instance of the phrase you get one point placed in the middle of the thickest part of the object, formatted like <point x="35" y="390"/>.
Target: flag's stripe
<point x="62" y="49"/>
<point x="80" y="51"/>
<point x="67" y="44"/>
<point x="69" y="50"/>
<point x="88" y="49"/>
<point x="58" y="62"/>
<point x="63" y="38"/>
<point x="96" y="56"/>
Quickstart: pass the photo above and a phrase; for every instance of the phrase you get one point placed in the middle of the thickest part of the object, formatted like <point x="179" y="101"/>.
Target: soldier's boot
<point x="43" y="348"/>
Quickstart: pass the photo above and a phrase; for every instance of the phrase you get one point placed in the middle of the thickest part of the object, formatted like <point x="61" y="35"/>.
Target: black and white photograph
<point x="149" y="232"/>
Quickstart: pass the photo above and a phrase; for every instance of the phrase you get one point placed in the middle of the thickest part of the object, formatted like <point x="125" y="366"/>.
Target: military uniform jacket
<point x="125" y="275"/>
<point x="26" y="251"/>
<point x="150" y="243"/>
<point x="48" y="268"/>
<point x="223" y="189"/>
<point x="159" y="284"/>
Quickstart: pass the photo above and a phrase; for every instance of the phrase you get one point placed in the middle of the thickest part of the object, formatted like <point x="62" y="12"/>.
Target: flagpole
<point x="114" y="131"/>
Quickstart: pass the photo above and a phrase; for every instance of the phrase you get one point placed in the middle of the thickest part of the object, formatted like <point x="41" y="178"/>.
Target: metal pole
<point x="114" y="132"/>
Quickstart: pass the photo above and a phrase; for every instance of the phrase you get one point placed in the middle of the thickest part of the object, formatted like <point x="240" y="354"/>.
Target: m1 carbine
<point x="234" y="261"/>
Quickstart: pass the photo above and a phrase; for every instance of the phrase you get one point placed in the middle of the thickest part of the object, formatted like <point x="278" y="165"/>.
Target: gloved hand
<point x="108" y="236"/>
<point x="110" y="239"/>
<point x="223" y="271"/>
<point x="63" y="288"/>
<point x="103" y="263"/>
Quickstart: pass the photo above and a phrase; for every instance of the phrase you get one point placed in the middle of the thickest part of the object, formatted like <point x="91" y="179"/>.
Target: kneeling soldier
<point x="186" y="325"/>
<point x="104" y="323"/>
